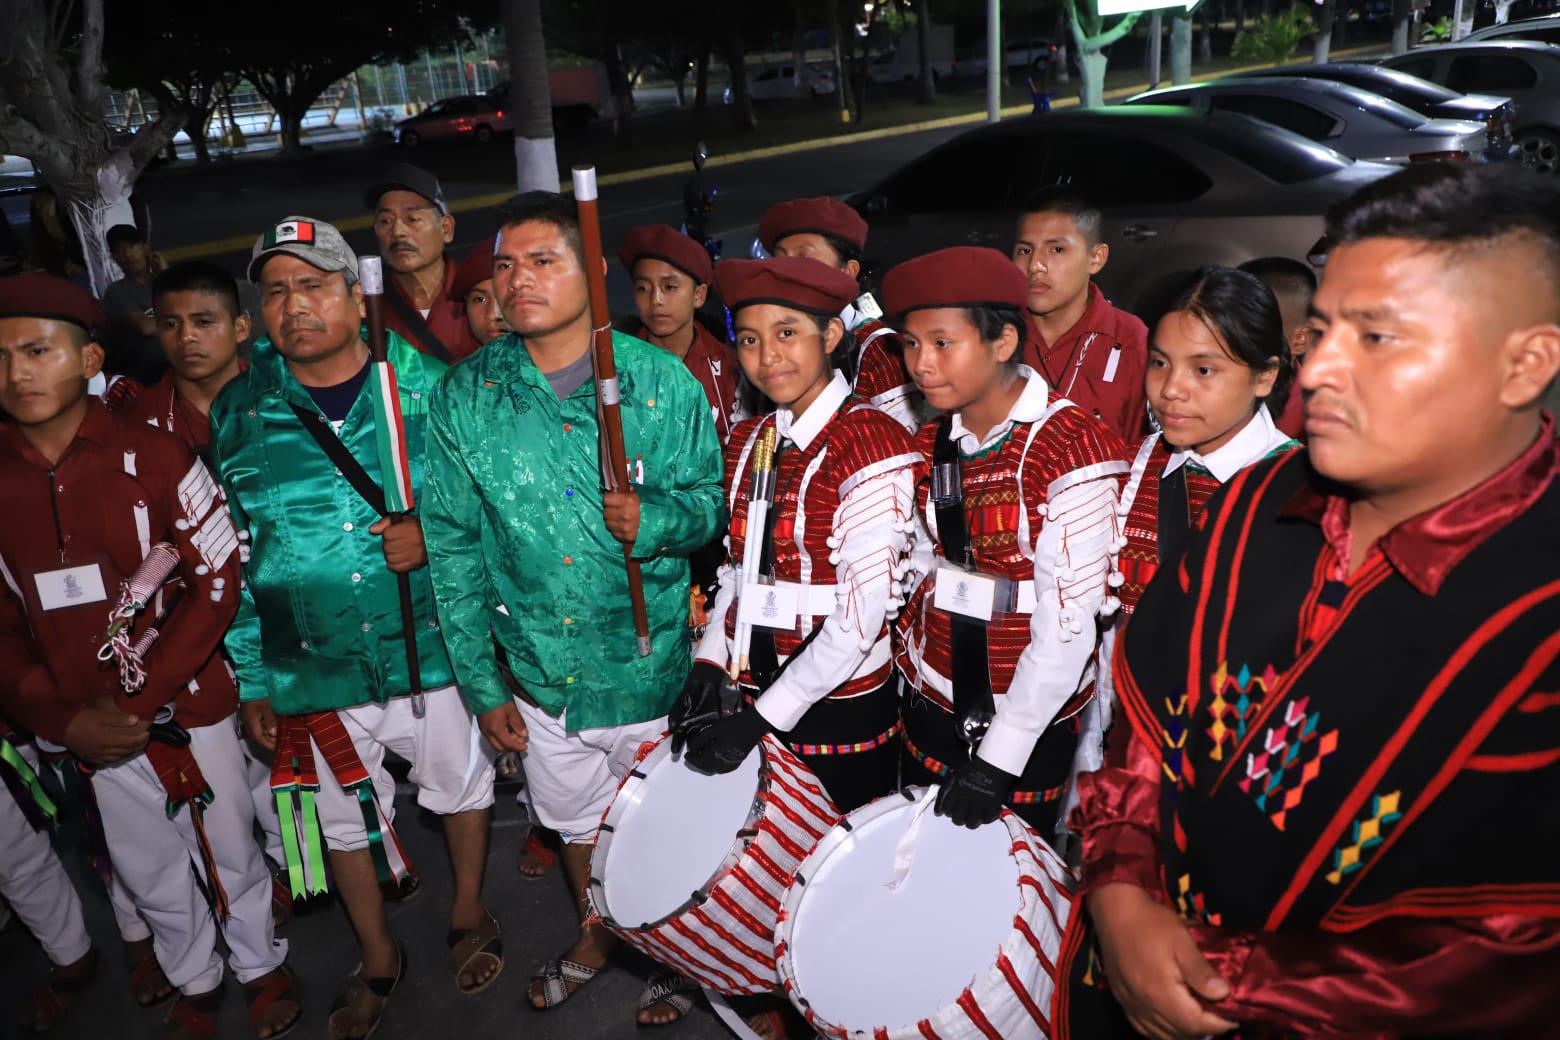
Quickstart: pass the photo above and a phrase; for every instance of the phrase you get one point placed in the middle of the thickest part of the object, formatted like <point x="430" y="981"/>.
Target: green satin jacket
<point x="319" y="621"/>
<point x="519" y="548"/>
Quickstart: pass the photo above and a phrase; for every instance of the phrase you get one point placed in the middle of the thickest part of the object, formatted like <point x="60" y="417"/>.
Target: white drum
<point x="690" y="869"/>
<point x="901" y="925"/>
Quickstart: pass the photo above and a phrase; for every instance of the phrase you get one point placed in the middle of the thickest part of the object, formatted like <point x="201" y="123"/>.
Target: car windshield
<point x="1276" y="154"/>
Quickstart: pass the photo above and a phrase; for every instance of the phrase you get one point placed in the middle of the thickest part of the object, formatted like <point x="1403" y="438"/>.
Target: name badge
<point x="70" y="587"/>
<point x="959" y="591"/>
<point x="1110" y="364"/>
<point x="768" y="606"/>
<point x="867" y="306"/>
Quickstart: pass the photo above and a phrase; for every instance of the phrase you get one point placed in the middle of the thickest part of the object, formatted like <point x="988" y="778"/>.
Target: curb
<point x="474" y="202"/>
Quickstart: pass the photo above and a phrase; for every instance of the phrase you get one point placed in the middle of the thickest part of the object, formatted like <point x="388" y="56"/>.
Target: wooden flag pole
<point x="615" y="467"/>
<point x="371" y="277"/>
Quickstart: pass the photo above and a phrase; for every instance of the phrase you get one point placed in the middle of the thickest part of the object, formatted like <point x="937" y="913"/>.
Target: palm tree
<point x="1273" y="39"/>
<point x="530" y="97"/>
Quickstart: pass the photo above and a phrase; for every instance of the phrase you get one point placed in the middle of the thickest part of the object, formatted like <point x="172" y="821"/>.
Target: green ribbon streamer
<point x="376" y="838"/>
<point x="290" y="853"/>
<point x="315" y="843"/>
<point x="14" y="759"/>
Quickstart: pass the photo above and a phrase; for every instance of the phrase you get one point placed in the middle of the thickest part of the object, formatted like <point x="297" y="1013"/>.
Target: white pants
<point x="573" y="777"/>
<point x="152" y="856"/>
<point x="259" y="775"/>
<point x="131" y="927"/>
<point x="452" y="764"/>
<point x="34" y="882"/>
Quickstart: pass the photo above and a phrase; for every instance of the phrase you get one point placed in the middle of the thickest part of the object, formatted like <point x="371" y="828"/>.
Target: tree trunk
<point x="923" y="33"/>
<point x="841" y="82"/>
<point x="622" y="94"/>
<point x="701" y="87"/>
<point x="1402" y="15"/>
<point x="1322" y="44"/>
<point x="1205" y="41"/>
<point x="290" y="127"/>
<point x="1091" y="94"/>
<point x="1502" y="11"/>
<point x="742" y="115"/>
<point x="1181" y="49"/>
<point x="530" y="97"/>
<point x="200" y="118"/>
<point x="799" y="50"/>
<point x="93" y="215"/>
<point x="1240" y="16"/>
<point x="1061" y="63"/>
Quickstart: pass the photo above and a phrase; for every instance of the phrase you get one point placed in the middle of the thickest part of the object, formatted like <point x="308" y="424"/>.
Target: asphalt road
<point x="191" y="207"/>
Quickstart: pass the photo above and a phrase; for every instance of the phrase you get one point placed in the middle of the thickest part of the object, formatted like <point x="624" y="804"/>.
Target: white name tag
<point x="768" y="606"/>
<point x="70" y="587"/>
<point x="867" y="307"/>
<point x="1111" y="363"/>
<point x="959" y="591"/>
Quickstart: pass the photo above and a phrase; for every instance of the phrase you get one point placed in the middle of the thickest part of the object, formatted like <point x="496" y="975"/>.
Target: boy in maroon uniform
<point x="1089" y="352"/>
<point x="154" y="740"/>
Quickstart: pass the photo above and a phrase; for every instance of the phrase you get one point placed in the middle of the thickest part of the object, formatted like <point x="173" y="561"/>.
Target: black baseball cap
<point x="406" y="177"/>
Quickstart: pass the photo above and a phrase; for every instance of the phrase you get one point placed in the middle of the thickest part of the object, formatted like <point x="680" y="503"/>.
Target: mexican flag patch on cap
<point x="300" y="231"/>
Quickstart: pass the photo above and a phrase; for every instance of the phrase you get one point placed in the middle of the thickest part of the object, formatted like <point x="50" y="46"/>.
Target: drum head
<point x="672" y="831"/>
<point x="865" y="955"/>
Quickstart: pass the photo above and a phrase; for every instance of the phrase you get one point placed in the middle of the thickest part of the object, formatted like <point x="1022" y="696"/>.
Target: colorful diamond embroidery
<point x="1290" y="758"/>
<point x="1174" y="736"/>
<point x="1235" y="699"/>
<point x="1193" y="905"/>
<point x="1368" y="832"/>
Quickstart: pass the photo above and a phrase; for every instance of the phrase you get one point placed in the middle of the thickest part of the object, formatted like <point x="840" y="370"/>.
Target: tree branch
<point x="89" y="59"/>
<point x="1115" y="32"/>
<point x="153" y="137"/>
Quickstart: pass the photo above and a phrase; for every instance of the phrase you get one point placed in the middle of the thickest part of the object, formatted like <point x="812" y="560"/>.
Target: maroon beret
<point x="664" y="242"/>
<point x="473" y="270"/>
<point x="790" y="281"/>
<point x="964" y="276"/>
<point x="36" y="295"/>
<point x="820" y="216"/>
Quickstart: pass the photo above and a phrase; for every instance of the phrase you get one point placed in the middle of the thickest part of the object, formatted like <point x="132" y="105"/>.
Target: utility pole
<point x="995" y="68"/>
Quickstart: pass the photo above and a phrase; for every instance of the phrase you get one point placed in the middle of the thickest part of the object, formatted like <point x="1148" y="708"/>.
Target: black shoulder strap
<point x="974" y="706"/>
<point x="318" y="427"/>
<point x="418" y="328"/>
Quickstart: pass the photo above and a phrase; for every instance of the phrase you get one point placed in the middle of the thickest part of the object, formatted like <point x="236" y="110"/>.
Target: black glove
<point x="725" y="745"/>
<point x="973" y="796"/>
<point x="699" y="704"/>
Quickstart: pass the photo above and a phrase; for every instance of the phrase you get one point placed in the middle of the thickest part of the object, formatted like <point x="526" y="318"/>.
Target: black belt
<point x="973" y="704"/>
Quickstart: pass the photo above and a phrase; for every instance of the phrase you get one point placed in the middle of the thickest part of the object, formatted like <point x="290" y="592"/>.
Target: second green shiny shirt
<point x="518" y="546"/>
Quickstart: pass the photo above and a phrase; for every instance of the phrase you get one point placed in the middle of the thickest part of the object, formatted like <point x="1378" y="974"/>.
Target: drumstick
<point x="752" y="542"/>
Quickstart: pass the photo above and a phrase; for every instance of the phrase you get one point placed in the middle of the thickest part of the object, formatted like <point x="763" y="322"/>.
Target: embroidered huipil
<point x="319" y="625"/>
<point x="1040" y="501"/>
<point x="1332" y="777"/>
<point x="120" y="488"/>
<point x="843" y="500"/>
<point x="519" y="548"/>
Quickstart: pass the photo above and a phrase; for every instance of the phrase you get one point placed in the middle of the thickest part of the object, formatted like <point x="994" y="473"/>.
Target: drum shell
<point x="1012" y="999"/>
<point x="723" y="936"/>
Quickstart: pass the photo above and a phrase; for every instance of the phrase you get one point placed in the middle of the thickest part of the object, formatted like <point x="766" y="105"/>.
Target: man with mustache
<point x="414" y="227"/>
<point x="527" y="550"/>
<point x="318" y="641"/>
<point x="1339" y="735"/>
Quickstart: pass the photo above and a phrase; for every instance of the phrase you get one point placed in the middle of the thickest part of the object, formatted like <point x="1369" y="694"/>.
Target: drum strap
<point x="973" y="704"/>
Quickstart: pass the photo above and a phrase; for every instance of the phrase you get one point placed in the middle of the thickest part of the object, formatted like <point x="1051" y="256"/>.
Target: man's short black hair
<point x="123" y="234"/>
<point x="1457" y="205"/>
<point x="546" y="207"/>
<point x="1284" y="276"/>
<point x="199" y="276"/>
<point x="1070" y="202"/>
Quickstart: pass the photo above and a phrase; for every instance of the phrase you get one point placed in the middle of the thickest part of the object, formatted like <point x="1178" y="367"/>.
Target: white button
<point x="356" y="576"/>
<point x="305" y="646"/>
<point x="347" y="526"/>
<point x="367" y="627"/>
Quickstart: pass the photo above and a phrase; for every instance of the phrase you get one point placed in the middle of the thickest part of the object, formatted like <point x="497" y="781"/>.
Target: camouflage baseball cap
<point x="310" y="240"/>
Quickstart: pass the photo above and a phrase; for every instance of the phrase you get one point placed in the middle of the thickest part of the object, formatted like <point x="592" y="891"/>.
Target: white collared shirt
<point x="1254" y="441"/>
<point x="1029" y="407"/>
<point x="804" y="430"/>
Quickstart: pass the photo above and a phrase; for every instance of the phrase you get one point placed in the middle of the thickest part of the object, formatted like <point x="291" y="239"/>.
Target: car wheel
<point x="1538" y="150"/>
<point x="410" y="139"/>
<point x="484" y="134"/>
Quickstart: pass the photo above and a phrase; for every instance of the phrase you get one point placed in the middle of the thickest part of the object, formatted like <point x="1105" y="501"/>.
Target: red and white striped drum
<point x="901" y="925"/>
<point x="733" y="841"/>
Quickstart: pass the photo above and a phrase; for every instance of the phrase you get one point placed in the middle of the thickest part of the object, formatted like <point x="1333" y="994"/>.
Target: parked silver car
<point x="1430" y="100"/>
<point x="1354" y="121"/>
<point x="1528" y="73"/>
<point x="1543" y="29"/>
<point x="1179" y="189"/>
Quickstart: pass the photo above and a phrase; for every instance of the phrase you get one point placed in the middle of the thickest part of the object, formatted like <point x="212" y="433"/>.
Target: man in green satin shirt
<point x="526" y="547"/>
<point x="318" y="641"/>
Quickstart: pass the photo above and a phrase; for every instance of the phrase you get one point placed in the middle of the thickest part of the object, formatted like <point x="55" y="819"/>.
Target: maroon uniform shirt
<point x="446" y="318"/>
<point x="714" y="365"/>
<point x="1099" y="365"/>
<point x="74" y="531"/>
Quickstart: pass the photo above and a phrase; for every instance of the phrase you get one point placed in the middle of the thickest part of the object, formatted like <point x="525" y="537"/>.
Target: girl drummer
<point x="998" y="640"/>
<point x="820" y="497"/>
